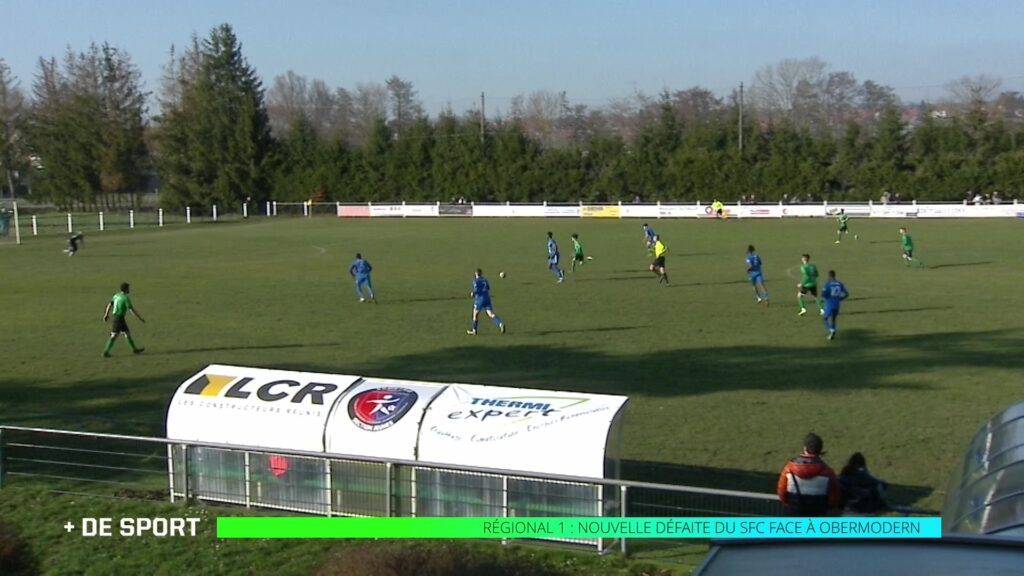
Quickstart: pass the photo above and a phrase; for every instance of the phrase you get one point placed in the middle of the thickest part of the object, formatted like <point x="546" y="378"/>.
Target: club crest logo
<point x="380" y="408"/>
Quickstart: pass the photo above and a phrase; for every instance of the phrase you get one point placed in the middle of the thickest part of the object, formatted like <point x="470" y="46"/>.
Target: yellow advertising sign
<point x="600" y="212"/>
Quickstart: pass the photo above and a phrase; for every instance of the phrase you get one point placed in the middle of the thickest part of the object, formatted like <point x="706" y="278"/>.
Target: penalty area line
<point x="322" y="250"/>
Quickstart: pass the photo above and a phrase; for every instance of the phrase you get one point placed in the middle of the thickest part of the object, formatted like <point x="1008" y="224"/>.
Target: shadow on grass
<point x="232" y="348"/>
<point x="135" y="406"/>
<point x="896" y="310"/>
<point x="960" y="264"/>
<point x="420" y="300"/>
<point x="639" y="276"/>
<point x="580" y="330"/>
<point x="858" y="360"/>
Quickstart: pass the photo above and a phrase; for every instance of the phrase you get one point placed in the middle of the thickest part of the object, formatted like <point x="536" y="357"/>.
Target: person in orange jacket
<point x="807" y="486"/>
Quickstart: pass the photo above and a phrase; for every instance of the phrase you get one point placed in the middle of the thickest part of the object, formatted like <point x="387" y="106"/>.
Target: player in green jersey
<point x="119" y="306"/>
<point x="577" y="252"/>
<point x="808" y="284"/>
<point x="842" y="218"/>
<point x="907" y="244"/>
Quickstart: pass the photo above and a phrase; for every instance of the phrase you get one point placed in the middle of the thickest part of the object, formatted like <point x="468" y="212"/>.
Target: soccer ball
<point x="501" y="274"/>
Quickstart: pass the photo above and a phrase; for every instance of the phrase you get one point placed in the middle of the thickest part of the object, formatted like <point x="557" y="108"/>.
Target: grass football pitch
<point x="722" y="389"/>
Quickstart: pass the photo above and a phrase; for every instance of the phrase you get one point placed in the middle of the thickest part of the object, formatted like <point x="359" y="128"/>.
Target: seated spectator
<point x="807" y="486"/>
<point x="997" y="198"/>
<point x="861" y="492"/>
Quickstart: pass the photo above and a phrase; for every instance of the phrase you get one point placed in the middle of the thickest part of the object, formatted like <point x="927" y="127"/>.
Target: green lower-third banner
<point x="578" y="528"/>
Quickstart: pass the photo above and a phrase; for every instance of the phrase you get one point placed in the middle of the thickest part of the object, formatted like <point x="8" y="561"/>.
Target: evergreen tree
<point x="214" y="143"/>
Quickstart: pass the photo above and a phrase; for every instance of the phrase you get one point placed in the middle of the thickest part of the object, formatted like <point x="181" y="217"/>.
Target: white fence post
<point x="35" y="227"/>
<point x="214" y="212"/>
<point x="245" y="209"/>
<point x="268" y="207"/>
<point x="131" y="218"/>
<point x="305" y="209"/>
<point x="160" y="216"/>
<point x="17" y="225"/>
<point x="275" y="207"/>
<point x="101" y="221"/>
<point x="403" y="208"/>
<point x="70" y="229"/>
<point x="188" y="214"/>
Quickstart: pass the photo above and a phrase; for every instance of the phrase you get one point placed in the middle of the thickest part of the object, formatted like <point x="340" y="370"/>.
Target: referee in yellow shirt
<point x="658" y="266"/>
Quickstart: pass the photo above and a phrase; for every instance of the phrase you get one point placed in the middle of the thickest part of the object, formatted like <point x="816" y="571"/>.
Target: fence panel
<point x="313" y="483"/>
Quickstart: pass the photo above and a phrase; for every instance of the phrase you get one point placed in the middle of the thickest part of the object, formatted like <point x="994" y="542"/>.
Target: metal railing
<point x="120" y="466"/>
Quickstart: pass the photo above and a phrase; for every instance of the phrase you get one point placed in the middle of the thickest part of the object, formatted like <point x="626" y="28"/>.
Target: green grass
<point x="721" y="390"/>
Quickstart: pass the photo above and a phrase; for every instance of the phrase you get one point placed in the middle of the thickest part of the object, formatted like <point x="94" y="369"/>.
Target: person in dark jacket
<point x="807" y="486"/>
<point x="861" y="492"/>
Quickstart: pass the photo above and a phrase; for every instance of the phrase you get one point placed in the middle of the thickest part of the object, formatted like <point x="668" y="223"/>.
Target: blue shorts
<point x="553" y="260"/>
<point x="755" y="277"/>
<point x="831" y="311"/>
<point x="361" y="280"/>
<point x="482" y="304"/>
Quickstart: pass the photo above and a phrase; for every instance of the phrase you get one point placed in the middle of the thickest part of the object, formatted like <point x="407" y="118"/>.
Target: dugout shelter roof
<point x="986" y="494"/>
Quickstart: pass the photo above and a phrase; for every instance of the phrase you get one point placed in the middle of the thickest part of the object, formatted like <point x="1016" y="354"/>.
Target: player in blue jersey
<point x="482" y="301"/>
<point x="553" y="258"/>
<point x="755" y="275"/>
<point x="649" y="237"/>
<point x="833" y="292"/>
<point x="360" y="270"/>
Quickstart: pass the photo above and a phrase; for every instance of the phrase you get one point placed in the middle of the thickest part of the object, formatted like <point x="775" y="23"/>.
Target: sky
<point x="594" y="50"/>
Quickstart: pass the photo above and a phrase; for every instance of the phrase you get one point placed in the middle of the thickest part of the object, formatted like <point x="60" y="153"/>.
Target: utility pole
<point x="482" y="115"/>
<point x="741" y="119"/>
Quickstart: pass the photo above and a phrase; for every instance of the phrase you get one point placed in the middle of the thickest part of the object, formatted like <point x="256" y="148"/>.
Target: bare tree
<point x="405" y="107"/>
<point x="972" y="90"/>
<point x="786" y="87"/>
<point x="12" y="118"/>
<point x="343" y="115"/>
<point x="696" y="104"/>
<point x="179" y="71"/>
<point x="839" y="99"/>
<point x="877" y="97"/>
<point x="540" y="114"/>
<point x="1010" y="104"/>
<point x="287" y="100"/>
<point x="369" y="104"/>
<point x="321" y="110"/>
<point x="622" y="115"/>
